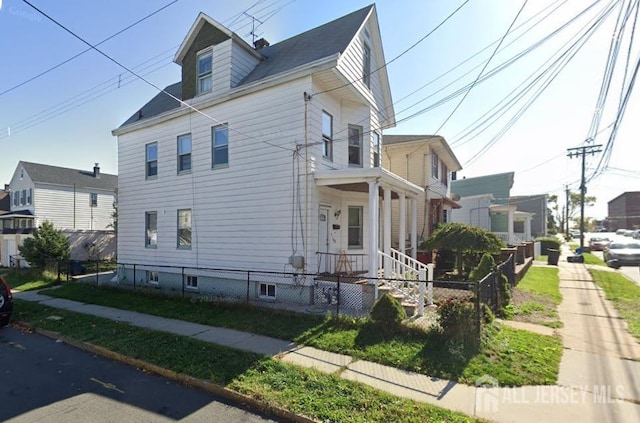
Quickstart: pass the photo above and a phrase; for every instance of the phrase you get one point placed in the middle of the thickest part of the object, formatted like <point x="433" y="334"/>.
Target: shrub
<point x="487" y="265"/>
<point x="388" y="310"/>
<point x="46" y="244"/>
<point x="458" y="323"/>
<point x="504" y="295"/>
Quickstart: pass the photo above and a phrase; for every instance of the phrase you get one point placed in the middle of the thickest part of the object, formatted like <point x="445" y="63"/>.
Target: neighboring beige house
<point x="71" y="199"/>
<point x="427" y="161"/>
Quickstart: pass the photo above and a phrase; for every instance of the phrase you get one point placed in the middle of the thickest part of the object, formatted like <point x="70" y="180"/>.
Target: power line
<point x="33" y="78"/>
<point x="189" y="106"/>
<point x="483" y="68"/>
<point x="398" y="56"/>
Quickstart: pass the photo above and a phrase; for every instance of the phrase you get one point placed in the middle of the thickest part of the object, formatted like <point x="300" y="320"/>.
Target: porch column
<point x="510" y="226"/>
<point x="373" y="229"/>
<point x="402" y="232"/>
<point x="387" y="231"/>
<point x="527" y="229"/>
<point x="414" y="228"/>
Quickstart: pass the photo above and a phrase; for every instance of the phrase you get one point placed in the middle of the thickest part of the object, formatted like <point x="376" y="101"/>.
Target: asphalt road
<point x="44" y="380"/>
<point x="632" y="272"/>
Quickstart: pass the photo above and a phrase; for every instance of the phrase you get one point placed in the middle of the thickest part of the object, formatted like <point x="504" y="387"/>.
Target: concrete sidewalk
<point x="597" y="382"/>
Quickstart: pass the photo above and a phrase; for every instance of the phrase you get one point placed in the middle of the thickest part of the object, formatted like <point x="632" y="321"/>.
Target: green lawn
<point x="27" y="279"/>
<point x="625" y="295"/>
<point x="307" y="392"/>
<point x="410" y="349"/>
<point x="536" y="297"/>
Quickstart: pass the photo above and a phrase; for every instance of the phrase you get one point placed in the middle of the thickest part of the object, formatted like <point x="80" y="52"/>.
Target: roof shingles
<point x="40" y="173"/>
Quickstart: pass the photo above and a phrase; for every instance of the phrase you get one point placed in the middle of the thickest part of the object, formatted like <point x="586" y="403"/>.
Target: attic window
<point x="366" y="64"/>
<point x="204" y="72"/>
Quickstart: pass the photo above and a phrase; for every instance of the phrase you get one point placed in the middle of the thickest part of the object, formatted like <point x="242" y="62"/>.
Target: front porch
<point x="518" y="224"/>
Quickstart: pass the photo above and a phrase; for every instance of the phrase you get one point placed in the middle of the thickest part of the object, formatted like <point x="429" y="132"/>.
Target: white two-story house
<point x="264" y="157"/>
<point x="73" y="200"/>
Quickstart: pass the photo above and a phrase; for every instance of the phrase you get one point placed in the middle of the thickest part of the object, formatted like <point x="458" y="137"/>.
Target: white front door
<point x="323" y="240"/>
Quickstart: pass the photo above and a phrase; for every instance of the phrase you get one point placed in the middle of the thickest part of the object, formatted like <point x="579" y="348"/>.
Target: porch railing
<point x="342" y="263"/>
<point x="398" y="265"/>
<point x="516" y="238"/>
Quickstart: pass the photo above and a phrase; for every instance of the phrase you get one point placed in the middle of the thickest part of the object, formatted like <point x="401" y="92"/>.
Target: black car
<point x="6" y="302"/>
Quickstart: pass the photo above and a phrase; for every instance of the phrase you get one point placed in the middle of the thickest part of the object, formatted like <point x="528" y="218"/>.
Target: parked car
<point x="6" y="302"/>
<point x="636" y="234"/>
<point x="575" y="233"/>
<point x="628" y="232"/>
<point x="599" y="243"/>
<point x="620" y="231"/>
<point x="622" y="254"/>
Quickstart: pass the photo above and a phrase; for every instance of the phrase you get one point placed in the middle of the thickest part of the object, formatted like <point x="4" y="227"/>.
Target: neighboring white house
<point x="70" y="199"/>
<point x="427" y="161"/>
<point x="270" y="161"/>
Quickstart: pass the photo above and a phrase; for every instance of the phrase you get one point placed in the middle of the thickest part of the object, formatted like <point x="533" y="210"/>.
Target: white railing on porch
<point x="400" y="271"/>
<point x="516" y="238"/>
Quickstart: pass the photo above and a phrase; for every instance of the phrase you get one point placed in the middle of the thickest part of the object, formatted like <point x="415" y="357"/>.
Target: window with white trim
<point x="184" y="228"/>
<point x="355" y="145"/>
<point x="356" y="229"/>
<point x="191" y="281"/>
<point x="445" y="175"/>
<point x="93" y="199"/>
<point x="153" y="277"/>
<point x="151" y="158"/>
<point x="267" y="290"/>
<point x="184" y="153"/>
<point x="327" y="135"/>
<point x="29" y="195"/>
<point x="366" y="64"/>
<point x="23" y="197"/>
<point x="376" y="149"/>
<point x="435" y="165"/>
<point x="204" y="67"/>
<point x="151" y="229"/>
<point x="220" y="146"/>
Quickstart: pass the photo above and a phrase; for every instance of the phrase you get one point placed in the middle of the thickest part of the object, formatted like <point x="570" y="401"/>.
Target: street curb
<point x="187" y="380"/>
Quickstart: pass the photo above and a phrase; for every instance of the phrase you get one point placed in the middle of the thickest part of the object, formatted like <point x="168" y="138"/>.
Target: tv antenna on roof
<point x="253" y="26"/>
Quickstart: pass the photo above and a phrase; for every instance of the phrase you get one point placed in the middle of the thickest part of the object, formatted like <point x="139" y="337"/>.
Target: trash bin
<point x="553" y="256"/>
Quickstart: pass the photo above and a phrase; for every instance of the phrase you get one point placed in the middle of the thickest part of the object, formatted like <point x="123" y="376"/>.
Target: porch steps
<point x="409" y="307"/>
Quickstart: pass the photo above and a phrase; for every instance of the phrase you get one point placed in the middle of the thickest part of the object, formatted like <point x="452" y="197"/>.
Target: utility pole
<point x="582" y="152"/>
<point x="566" y="214"/>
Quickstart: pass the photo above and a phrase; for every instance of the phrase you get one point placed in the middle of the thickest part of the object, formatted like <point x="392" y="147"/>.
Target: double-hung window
<point x="184" y="228"/>
<point x="327" y="135"/>
<point x="220" y="146"/>
<point x="151" y="160"/>
<point x="93" y="199"/>
<point x="184" y="153"/>
<point x="205" y="82"/>
<point x="151" y="229"/>
<point x="445" y="174"/>
<point x="366" y="64"/>
<point x="376" y="149"/>
<point x="435" y="164"/>
<point x="355" y="145"/>
<point x="29" y="195"/>
<point x="23" y="197"/>
<point x="356" y="230"/>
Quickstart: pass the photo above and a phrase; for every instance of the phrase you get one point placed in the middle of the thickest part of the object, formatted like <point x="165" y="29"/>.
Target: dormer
<point x="213" y="59"/>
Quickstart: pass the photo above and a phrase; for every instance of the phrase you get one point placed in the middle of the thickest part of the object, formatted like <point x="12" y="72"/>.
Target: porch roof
<point x="19" y="213"/>
<point x="357" y="179"/>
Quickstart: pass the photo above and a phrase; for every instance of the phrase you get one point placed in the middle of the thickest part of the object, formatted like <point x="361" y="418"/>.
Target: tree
<point x="559" y="214"/>
<point x="46" y="244"/>
<point x="463" y="239"/>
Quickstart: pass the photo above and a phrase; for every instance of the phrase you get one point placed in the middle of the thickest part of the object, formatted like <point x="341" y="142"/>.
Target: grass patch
<point x="593" y="259"/>
<point x="28" y="279"/>
<point x="542" y="281"/>
<point x="625" y="295"/>
<point x="302" y="391"/>
<point x="409" y="349"/>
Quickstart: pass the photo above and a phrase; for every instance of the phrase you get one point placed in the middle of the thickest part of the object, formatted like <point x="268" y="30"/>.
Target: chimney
<point x="260" y="44"/>
<point x="96" y="171"/>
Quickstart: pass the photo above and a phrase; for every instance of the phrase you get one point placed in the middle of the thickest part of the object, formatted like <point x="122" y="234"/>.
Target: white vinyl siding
<point x="248" y="203"/>
<point x="242" y="62"/>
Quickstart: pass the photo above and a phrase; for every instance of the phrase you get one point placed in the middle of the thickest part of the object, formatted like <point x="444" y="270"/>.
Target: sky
<point x="65" y="117"/>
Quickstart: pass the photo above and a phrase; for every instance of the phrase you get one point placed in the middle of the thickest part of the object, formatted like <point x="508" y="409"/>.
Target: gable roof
<point x="318" y="43"/>
<point x="45" y="174"/>
<point x="437" y="143"/>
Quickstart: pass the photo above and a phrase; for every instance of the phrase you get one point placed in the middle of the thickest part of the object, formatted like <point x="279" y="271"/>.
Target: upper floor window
<point x="445" y="174"/>
<point x="184" y="228"/>
<point x="327" y="135"/>
<point x="355" y="145"/>
<point x="356" y="229"/>
<point x="435" y="165"/>
<point x="220" y="146"/>
<point x="151" y="170"/>
<point x="23" y="197"/>
<point x="376" y="149"/>
<point x="16" y="198"/>
<point x="93" y="199"/>
<point x="29" y="195"/>
<point x="204" y="72"/>
<point x="184" y="153"/>
<point x="366" y="64"/>
<point x="151" y="229"/>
